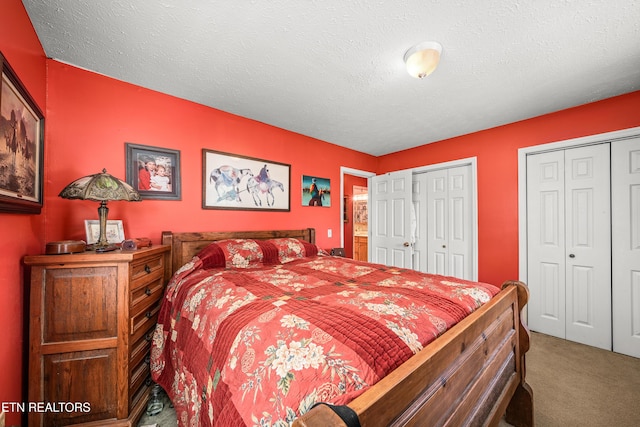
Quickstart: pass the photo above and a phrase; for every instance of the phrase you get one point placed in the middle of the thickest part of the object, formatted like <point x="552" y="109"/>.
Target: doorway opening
<point x="348" y="179"/>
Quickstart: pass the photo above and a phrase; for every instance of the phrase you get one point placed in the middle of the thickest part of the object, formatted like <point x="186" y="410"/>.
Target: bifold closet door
<point x="569" y="244"/>
<point x="625" y="184"/>
<point x="450" y="222"/>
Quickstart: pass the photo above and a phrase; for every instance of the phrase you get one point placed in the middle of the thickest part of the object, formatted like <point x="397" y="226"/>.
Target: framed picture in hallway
<point x="21" y="155"/>
<point x="231" y="181"/>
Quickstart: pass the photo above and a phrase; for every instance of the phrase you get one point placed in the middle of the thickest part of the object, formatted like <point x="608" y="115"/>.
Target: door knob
<point x="572" y="256"/>
<point x="406" y="244"/>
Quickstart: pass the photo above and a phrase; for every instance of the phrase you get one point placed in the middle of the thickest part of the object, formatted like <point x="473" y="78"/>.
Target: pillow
<point x="212" y="256"/>
<point x="232" y="253"/>
<point x="250" y="253"/>
<point x="241" y="253"/>
<point x="290" y="249"/>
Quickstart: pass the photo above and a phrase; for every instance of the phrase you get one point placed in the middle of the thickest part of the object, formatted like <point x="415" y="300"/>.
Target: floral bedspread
<point x="254" y="333"/>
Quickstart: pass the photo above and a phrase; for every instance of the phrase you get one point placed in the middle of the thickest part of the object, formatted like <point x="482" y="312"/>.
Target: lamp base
<point x="107" y="248"/>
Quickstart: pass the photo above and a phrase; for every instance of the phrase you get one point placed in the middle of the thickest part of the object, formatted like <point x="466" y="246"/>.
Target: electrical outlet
<point x="329" y="233"/>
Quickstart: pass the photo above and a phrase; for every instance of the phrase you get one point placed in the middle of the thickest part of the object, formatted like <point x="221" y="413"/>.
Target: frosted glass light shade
<point x="422" y="59"/>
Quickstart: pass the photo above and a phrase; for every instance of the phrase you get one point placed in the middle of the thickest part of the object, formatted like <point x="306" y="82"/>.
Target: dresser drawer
<point x="140" y="376"/>
<point x="145" y="318"/>
<point x="145" y="270"/>
<point x="141" y="347"/>
<point x="143" y="296"/>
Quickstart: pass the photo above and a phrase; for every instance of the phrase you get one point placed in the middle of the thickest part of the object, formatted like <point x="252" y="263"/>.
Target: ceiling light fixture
<point x="422" y="59"/>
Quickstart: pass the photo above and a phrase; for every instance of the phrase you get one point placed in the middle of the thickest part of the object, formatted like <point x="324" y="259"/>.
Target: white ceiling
<point x="333" y="69"/>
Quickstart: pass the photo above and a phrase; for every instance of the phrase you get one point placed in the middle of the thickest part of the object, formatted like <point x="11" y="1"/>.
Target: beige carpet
<point x="578" y="385"/>
<point x="574" y="386"/>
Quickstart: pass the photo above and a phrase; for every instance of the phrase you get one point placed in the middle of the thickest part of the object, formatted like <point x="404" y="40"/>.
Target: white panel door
<point x="625" y="184"/>
<point x="460" y="224"/>
<point x="588" y="245"/>
<point x="545" y="236"/>
<point x="569" y="264"/>
<point x="449" y="222"/>
<point x="437" y="222"/>
<point x="391" y="219"/>
<point x="420" y="209"/>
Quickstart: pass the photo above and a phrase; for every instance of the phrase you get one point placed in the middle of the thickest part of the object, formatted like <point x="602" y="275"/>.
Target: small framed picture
<point x="114" y="231"/>
<point x="153" y="171"/>
<point x="316" y="191"/>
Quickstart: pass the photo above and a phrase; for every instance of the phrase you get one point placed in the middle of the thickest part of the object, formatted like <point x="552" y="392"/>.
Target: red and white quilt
<point x="256" y="332"/>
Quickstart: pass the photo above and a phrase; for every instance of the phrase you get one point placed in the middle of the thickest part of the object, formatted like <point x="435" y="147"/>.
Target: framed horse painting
<point x="231" y="181"/>
<point x="22" y="155"/>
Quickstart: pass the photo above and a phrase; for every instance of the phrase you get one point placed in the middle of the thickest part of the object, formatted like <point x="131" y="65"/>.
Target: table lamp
<point x="101" y="187"/>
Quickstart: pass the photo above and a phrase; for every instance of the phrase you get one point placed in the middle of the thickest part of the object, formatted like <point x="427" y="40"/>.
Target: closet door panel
<point x="625" y="182"/>
<point x="420" y="210"/>
<point x="546" y="249"/>
<point x="588" y="245"/>
<point x="450" y="222"/>
<point x="460" y="224"/>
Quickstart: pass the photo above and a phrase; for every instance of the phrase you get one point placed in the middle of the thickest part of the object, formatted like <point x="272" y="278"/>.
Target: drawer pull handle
<point x="148" y="314"/>
<point x="147" y="360"/>
<point x="147" y="292"/>
<point x="147" y="269"/>
<point x="148" y="381"/>
<point x="148" y="337"/>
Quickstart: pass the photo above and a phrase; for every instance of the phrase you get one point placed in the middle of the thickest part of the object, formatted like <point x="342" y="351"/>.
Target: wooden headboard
<point x="185" y="245"/>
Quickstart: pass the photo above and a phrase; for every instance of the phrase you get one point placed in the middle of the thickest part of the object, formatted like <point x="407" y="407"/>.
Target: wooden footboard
<point x="473" y="374"/>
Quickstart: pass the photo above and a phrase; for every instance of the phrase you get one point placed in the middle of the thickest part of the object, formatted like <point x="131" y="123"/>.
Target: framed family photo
<point x="231" y="181"/>
<point x="153" y="171"/>
<point x="22" y="153"/>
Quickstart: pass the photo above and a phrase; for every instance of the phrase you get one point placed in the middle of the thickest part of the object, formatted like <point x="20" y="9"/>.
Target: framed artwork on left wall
<point x="22" y="146"/>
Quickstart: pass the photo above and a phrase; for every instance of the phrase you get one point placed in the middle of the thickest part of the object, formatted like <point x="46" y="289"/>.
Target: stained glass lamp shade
<point x="100" y="187"/>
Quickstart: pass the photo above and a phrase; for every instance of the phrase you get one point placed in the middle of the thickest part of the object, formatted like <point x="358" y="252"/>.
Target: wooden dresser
<point x="92" y="318"/>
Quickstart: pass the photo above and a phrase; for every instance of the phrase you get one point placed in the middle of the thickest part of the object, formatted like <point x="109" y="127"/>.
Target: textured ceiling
<point x="333" y="69"/>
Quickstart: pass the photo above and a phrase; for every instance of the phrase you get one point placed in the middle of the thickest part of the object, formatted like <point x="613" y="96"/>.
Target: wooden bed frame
<point x="474" y="374"/>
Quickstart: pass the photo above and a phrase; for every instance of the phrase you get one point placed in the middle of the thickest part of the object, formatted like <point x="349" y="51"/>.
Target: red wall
<point x="20" y="234"/>
<point x="92" y="116"/>
<point x="497" y="162"/>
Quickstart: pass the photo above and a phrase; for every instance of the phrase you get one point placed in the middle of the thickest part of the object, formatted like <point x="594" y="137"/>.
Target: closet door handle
<point x="572" y="256"/>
